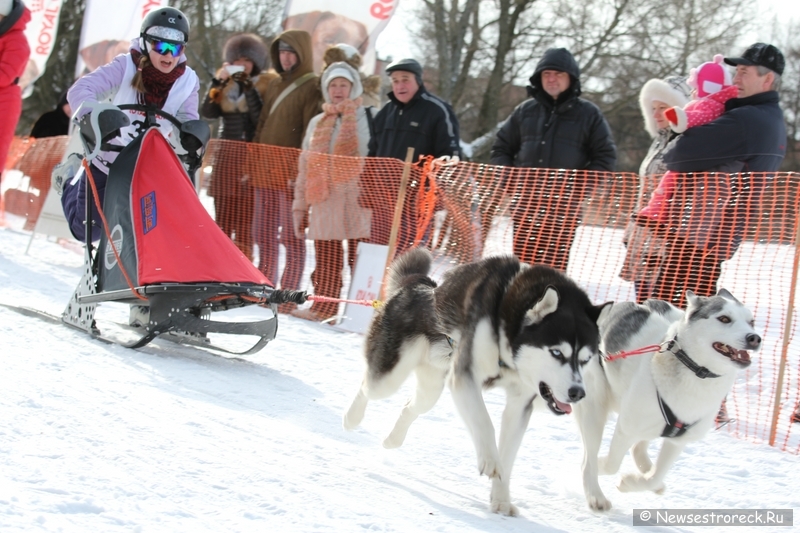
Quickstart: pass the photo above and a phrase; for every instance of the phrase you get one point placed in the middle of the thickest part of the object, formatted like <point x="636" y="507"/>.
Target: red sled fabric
<point x="177" y="241"/>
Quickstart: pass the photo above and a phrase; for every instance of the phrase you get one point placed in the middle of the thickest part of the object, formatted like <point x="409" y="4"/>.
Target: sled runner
<point x="160" y="251"/>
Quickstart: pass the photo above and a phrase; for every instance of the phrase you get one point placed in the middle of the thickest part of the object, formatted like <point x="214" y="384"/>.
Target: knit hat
<point x="760" y="55"/>
<point x="673" y="91"/>
<point x="248" y="45"/>
<point x="341" y="69"/>
<point x="283" y="46"/>
<point x="710" y="77"/>
<point x="6" y="6"/>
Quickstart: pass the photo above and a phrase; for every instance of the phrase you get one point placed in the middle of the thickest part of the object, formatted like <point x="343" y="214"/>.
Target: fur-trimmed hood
<point x="247" y="45"/>
<point x="300" y="41"/>
<point x="673" y="91"/>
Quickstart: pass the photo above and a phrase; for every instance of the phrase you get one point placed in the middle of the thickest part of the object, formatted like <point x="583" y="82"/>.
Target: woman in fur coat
<point x="645" y="250"/>
<point x="235" y="97"/>
<point x="326" y="190"/>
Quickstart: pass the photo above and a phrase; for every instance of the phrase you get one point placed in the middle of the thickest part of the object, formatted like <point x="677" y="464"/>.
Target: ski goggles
<point x="165" y="47"/>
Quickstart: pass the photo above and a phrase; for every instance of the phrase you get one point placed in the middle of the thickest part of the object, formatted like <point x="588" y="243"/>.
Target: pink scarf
<point x="323" y="169"/>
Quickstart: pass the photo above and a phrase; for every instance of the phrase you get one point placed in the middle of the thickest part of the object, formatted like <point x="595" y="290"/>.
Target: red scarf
<point x="156" y="83"/>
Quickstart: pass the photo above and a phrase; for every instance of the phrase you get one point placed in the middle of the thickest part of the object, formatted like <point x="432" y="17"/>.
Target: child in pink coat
<point x="712" y="88"/>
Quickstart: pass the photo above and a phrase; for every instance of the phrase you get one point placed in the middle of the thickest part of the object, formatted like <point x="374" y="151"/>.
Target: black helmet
<point x="169" y="18"/>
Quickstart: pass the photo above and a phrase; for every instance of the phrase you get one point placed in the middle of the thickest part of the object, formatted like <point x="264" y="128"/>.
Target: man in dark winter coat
<point x="749" y="137"/>
<point x="55" y="122"/>
<point x="555" y="129"/>
<point x="413" y="118"/>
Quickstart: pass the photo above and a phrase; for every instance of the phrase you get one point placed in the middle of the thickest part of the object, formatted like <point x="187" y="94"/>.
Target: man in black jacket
<point x="413" y="118"/>
<point x="555" y="129"/>
<point x="750" y="137"/>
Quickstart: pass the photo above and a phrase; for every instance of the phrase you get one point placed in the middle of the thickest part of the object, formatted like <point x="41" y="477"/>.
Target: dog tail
<point x="415" y="262"/>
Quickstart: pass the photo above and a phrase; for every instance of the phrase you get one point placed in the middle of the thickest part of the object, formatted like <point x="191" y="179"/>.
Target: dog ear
<point x="692" y="300"/>
<point x="599" y="313"/>
<point x="547" y="304"/>
<point x="727" y="295"/>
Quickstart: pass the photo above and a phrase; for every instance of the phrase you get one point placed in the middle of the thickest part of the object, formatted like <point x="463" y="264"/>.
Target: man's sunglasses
<point x="164" y="47"/>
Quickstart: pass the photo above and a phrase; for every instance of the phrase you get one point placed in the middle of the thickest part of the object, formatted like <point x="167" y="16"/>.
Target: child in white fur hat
<point x="713" y="87"/>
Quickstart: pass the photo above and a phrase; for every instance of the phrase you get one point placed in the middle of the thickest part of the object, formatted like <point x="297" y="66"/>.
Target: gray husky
<point x="673" y="392"/>
<point x="497" y="322"/>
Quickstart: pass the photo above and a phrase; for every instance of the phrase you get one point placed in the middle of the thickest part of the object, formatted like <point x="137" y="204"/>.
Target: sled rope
<point x="96" y="196"/>
<point x="370" y="303"/>
<point x="637" y="351"/>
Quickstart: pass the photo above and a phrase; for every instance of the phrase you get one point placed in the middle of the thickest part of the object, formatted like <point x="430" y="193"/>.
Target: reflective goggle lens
<point x="164" y="47"/>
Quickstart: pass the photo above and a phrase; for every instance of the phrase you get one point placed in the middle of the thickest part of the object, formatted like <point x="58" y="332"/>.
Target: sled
<point x="160" y="249"/>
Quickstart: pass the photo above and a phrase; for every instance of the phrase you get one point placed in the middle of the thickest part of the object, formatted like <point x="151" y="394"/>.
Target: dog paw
<point x="506" y="508"/>
<point x="393" y="441"/>
<point x="603" y="469"/>
<point x="632" y="483"/>
<point x="349" y="422"/>
<point x="660" y="489"/>
<point x="598" y="503"/>
<point x="355" y="414"/>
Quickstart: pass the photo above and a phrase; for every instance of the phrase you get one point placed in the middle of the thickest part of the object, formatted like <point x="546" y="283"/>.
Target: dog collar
<point x="699" y="371"/>
<point x="674" y="427"/>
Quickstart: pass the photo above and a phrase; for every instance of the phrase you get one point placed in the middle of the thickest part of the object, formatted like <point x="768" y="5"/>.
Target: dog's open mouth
<point x="740" y="357"/>
<point x="559" y="408"/>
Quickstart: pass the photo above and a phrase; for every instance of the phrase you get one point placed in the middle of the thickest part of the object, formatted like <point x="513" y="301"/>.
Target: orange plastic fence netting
<point x="26" y="179"/>
<point x="741" y="229"/>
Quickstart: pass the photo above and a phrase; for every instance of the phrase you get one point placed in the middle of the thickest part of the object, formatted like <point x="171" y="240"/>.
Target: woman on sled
<point x="153" y="73"/>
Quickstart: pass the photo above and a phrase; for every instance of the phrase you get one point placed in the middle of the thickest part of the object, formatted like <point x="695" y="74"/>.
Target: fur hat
<point x="673" y="91"/>
<point x="710" y="77"/>
<point x="342" y="52"/>
<point x="6" y="6"/>
<point x="247" y="45"/>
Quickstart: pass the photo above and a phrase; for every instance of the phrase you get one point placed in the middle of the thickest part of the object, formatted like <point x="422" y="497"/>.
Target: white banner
<point x="41" y="34"/>
<point x="108" y="27"/>
<point x="354" y="22"/>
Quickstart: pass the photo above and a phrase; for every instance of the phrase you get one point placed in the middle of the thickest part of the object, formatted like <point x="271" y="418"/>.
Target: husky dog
<point x="674" y="392"/>
<point x="497" y="322"/>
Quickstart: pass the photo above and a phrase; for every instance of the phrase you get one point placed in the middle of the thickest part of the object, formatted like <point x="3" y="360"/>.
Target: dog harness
<point x="676" y="427"/>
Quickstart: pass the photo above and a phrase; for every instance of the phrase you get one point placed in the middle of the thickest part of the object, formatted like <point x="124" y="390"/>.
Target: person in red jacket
<point x="14" y="55"/>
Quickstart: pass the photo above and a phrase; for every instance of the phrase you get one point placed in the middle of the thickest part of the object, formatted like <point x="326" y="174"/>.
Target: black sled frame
<point x="179" y="311"/>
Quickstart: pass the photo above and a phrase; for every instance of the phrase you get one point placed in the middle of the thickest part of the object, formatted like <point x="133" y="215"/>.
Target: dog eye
<point x="752" y="323"/>
<point x="556" y="353"/>
<point x="724" y="319"/>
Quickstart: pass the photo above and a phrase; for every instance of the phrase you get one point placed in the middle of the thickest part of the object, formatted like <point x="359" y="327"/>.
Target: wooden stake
<point x="398" y="213"/>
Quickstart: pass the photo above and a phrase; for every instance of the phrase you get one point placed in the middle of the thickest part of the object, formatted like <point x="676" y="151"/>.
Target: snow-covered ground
<point x="95" y="437"/>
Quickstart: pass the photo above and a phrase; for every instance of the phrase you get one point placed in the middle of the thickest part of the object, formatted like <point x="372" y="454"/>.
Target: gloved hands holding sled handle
<point x="300" y="223"/>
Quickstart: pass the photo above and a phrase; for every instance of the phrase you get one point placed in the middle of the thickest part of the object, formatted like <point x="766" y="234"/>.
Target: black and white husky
<point x="674" y="392"/>
<point x="497" y="322"/>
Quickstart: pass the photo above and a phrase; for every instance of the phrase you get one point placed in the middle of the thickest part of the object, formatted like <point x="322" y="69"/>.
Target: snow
<point x="96" y="437"/>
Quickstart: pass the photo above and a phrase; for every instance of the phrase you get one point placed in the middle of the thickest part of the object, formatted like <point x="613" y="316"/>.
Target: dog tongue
<point x="567" y="408"/>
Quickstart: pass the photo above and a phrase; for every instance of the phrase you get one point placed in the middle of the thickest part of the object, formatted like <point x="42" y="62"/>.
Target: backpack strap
<point x="370" y="121"/>
<point x="288" y="90"/>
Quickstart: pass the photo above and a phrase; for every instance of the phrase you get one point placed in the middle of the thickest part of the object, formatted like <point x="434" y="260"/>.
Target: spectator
<point x="54" y="122"/>
<point x="330" y="187"/>
<point x="14" y="54"/>
<point x="290" y="102"/>
<point x="750" y="137"/>
<point x="413" y="118"/>
<point x="712" y="88"/>
<point x="153" y="73"/>
<point x="644" y="249"/>
<point x="370" y="84"/>
<point x="555" y="129"/>
<point x="235" y="96"/>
